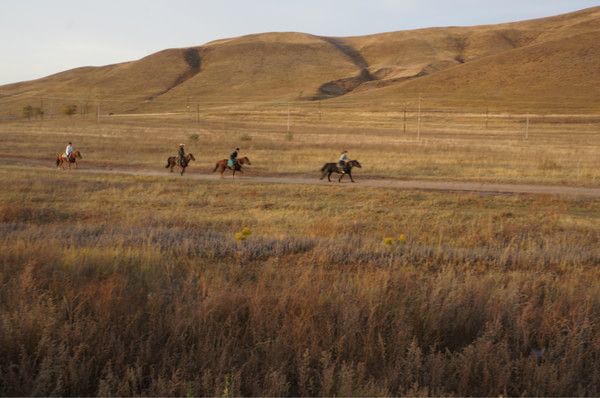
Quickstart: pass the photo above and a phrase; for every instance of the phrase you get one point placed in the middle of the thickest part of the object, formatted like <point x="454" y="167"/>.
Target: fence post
<point x="419" y="120"/>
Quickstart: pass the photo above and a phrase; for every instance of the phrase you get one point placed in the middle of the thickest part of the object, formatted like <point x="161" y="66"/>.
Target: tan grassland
<point x="152" y="285"/>
<point x="563" y="151"/>
<point x="116" y="285"/>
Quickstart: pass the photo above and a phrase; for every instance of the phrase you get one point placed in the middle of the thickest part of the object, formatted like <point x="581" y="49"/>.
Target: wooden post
<point x="404" y="119"/>
<point x="487" y="115"/>
<point x="198" y="113"/>
<point x="98" y="112"/>
<point x="319" y="111"/>
<point x="527" y="128"/>
<point x="419" y="120"/>
<point x="288" y="119"/>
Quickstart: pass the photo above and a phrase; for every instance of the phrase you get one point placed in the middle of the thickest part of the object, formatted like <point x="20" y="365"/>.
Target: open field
<point x="445" y="146"/>
<point x="117" y="285"/>
<point x="121" y="279"/>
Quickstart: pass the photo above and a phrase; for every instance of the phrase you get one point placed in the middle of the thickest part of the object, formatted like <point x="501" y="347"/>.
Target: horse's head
<point x="78" y="154"/>
<point x="244" y="160"/>
<point x="355" y="163"/>
<point x="191" y="157"/>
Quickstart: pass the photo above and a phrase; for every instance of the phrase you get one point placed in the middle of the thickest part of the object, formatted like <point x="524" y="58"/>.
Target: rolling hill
<point x="549" y="64"/>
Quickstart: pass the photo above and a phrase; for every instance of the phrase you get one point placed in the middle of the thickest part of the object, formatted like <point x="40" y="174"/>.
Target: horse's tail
<point x="57" y="159"/>
<point x="324" y="167"/>
<point x="216" y="167"/>
<point x="168" y="163"/>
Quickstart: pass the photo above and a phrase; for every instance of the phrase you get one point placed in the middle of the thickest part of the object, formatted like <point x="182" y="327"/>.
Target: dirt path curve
<point x="454" y="186"/>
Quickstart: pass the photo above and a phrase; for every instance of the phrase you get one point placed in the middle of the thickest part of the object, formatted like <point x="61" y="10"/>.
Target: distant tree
<point x="28" y="112"/>
<point x="69" y="110"/>
<point x="32" y="111"/>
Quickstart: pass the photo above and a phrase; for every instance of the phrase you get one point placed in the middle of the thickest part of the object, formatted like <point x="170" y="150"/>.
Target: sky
<point x="42" y="37"/>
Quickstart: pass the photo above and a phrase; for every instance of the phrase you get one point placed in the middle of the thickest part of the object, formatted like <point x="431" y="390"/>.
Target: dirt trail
<point x="448" y="186"/>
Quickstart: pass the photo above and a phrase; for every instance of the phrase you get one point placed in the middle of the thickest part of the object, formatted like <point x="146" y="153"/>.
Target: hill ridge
<point x="502" y="60"/>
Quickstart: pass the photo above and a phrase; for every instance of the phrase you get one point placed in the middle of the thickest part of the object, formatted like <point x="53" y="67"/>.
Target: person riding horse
<point x="181" y="153"/>
<point x="342" y="162"/>
<point x="232" y="162"/>
<point x="69" y="152"/>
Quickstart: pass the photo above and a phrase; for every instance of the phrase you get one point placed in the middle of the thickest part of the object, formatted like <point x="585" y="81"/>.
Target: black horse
<point x="329" y="168"/>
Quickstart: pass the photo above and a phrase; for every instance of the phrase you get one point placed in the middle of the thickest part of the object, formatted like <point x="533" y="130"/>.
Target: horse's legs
<point x="323" y="176"/>
<point x="350" y="175"/>
<point x="182" y="170"/>
<point x="341" y="176"/>
<point x="329" y="176"/>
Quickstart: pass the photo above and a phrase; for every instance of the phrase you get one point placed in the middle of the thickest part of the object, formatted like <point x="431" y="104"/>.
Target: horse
<point x="330" y="168"/>
<point x="173" y="161"/>
<point x="221" y="165"/>
<point x="61" y="159"/>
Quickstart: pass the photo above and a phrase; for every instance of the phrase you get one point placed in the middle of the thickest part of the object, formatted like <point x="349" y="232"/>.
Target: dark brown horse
<point x="222" y="165"/>
<point x="173" y="161"/>
<point x="61" y="159"/>
<point x="330" y="168"/>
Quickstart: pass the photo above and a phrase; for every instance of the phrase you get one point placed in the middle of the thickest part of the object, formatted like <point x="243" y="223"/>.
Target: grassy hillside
<point x="532" y="64"/>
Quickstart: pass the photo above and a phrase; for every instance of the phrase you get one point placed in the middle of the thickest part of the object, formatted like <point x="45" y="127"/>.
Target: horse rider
<point x="233" y="158"/>
<point x="181" y="154"/>
<point x="69" y="151"/>
<point x="343" y="160"/>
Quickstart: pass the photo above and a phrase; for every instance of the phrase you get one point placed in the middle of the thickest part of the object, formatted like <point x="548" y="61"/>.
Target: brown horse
<point x="61" y="159"/>
<point x="222" y="166"/>
<point x="329" y="168"/>
<point x="173" y="161"/>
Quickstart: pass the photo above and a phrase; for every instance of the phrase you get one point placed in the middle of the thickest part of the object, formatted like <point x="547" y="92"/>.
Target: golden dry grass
<point x="451" y="147"/>
<point x="133" y="286"/>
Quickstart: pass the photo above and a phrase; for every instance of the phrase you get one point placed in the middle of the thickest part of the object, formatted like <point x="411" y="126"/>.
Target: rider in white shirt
<point x="69" y="150"/>
<point x="343" y="159"/>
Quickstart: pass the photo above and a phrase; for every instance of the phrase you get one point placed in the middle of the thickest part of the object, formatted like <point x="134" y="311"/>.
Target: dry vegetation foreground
<point x="117" y="285"/>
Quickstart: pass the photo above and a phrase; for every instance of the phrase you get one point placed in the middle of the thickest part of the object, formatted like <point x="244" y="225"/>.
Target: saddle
<point x="231" y="163"/>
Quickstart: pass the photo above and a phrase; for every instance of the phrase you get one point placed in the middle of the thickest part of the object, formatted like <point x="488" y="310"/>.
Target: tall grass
<point x="128" y="286"/>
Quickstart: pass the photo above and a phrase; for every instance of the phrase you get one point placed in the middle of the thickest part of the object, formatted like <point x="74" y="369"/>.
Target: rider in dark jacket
<point x="181" y="154"/>
<point x="233" y="157"/>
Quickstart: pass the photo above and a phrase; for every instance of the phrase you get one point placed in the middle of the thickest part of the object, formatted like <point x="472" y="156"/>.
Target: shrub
<point x="69" y="110"/>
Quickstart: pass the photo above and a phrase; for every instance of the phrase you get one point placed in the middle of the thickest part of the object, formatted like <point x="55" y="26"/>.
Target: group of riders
<point x="232" y="162"/>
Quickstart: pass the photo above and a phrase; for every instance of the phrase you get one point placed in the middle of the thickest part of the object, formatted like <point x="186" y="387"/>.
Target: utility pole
<point x="288" y="119"/>
<point x="419" y="120"/>
<point x="42" y="108"/>
<point x="527" y="128"/>
<point x="319" y="111"/>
